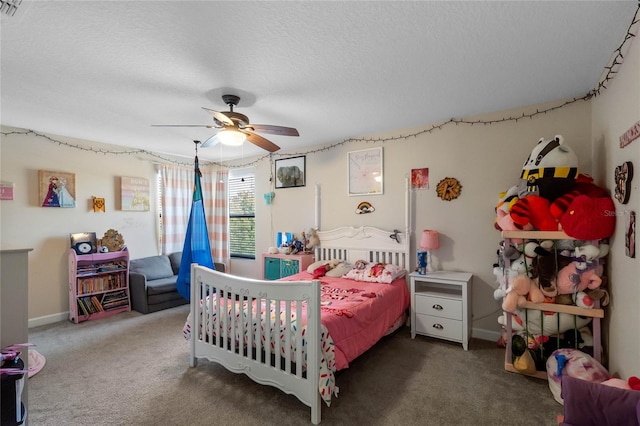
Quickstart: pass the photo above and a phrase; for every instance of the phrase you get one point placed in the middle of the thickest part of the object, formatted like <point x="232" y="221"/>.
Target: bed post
<point x="407" y="222"/>
<point x="317" y="212"/>
<point x="407" y="209"/>
<point x="194" y="320"/>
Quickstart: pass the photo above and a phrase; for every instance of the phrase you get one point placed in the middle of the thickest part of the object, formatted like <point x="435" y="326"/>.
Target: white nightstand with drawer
<point x="441" y="305"/>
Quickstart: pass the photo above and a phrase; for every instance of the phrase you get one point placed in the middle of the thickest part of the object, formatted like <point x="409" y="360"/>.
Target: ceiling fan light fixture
<point x="231" y="137"/>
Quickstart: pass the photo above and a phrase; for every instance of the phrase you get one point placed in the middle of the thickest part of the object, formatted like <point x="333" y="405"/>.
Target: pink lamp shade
<point x="429" y="240"/>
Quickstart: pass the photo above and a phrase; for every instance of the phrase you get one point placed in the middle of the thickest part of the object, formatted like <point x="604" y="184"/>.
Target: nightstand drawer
<point x="439" y="327"/>
<point x="438" y="306"/>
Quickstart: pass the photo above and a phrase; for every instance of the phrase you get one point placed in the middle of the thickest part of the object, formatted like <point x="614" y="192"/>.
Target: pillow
<point x="375" y="272"/>
<point x="589" y="403"/>
<point x="577" y="364"/>
<point x="315" y="265"/>
<point x="153" y="267"/>
<point x="339" y="270"/>
<point x="320" y="271"/>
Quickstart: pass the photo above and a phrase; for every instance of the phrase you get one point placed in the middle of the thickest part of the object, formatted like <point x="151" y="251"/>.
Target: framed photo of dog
<point x="290" y="172"/>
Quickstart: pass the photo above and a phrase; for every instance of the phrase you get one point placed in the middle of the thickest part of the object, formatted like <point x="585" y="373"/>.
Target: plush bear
<point x="312" y="239"/>
<point x="522" y="288"/>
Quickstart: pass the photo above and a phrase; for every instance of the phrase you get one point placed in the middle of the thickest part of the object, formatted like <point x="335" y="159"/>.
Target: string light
<point x="608" y="75"/>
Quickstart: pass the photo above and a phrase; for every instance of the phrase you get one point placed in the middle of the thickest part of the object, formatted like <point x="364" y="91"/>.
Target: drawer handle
<point x="438" y="327"/>
<point x="437" y="307"/>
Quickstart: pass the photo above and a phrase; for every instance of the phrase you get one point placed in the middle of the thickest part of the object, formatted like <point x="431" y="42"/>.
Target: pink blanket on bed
<point x="356" y="313"/>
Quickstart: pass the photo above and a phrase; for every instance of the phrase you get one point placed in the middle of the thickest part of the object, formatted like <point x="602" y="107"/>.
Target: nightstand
<point x="441" y="306"/>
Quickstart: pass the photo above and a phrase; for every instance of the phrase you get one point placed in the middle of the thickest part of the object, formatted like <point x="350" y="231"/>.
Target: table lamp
<point x="428" y="243"/>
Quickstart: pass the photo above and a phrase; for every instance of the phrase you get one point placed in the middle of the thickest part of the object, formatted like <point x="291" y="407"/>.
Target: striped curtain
<point x="177" y="191"/>
<point x="218" y="218"/>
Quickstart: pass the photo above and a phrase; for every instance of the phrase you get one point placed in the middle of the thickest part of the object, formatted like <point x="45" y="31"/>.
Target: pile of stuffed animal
<point x="551" y="195"/>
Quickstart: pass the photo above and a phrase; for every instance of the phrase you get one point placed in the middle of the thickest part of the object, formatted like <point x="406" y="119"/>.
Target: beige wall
<point x="614" y="112"/>
<point x="485" y="158"/>
<point x="24" y="223"/>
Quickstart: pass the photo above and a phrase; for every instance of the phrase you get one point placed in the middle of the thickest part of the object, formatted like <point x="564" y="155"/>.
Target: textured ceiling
<point x="107" y="70"/>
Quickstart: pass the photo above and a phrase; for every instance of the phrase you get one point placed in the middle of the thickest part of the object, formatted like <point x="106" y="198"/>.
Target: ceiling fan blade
<point x="219" y="116"/>
<point x="213" y="140"/>
<point x="260" y="141"/>
<point x="184" y="125"/>
<point x="273" y="130"/>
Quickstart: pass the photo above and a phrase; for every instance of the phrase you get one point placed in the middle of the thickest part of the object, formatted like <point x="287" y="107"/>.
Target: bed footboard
<point x="239" y="323"/>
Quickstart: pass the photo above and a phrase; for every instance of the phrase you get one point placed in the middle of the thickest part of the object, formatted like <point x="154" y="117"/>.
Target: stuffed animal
<point x="546" y="264"/>
<point x="589" y="218"/>
<point x="313" y="239"/>
<point x="571" y="280"/>
<point x="533" y="211"/>
<point x="322" y="270"/>
<point x="522" y="288"/>
<point x="516" y="277"/>
<point x="506" y="200"/>
<point x="584" y="186"/>
<point x="550" y="170"/>
<point x="541" y="322"/>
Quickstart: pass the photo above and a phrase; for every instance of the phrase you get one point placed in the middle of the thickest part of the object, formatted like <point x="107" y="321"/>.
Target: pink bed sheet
<point x="356" y="313"/>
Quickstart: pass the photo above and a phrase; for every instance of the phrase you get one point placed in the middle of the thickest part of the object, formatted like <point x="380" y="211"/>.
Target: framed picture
<point x="420" y="178"/>
<point x="630" y="234"/>
<point x="365" y="172"/>
<point x="57" y="189"/>
<point x="290" y="172"/>
<point x="135" y="194"/>
<point x="6" y="190"/>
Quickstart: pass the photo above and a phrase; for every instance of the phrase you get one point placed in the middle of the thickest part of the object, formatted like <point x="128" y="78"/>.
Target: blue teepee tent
<point x="196" y="244"/>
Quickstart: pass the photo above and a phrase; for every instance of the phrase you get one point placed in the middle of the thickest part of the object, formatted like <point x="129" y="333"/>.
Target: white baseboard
<point x="48" y="319"/>
<point x="479" y="333"/>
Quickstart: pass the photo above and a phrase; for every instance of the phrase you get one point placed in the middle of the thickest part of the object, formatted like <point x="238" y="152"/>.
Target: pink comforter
<point x="356" y="313"/>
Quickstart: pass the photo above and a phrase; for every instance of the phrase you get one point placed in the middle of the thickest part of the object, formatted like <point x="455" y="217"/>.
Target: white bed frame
<point x="346" y="243"/>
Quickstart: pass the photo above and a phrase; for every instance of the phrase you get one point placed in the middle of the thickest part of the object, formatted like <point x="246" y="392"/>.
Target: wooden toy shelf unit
<point x="547" y="309"/>
<point x="98" y="285"/>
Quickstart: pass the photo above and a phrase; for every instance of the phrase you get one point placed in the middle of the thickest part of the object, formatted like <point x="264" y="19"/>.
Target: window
<point x="242" y="216"/>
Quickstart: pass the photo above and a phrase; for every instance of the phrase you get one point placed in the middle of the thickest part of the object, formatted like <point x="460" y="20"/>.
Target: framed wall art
<point x="290" y="172"/>
<point x="135" y="194"/>
<point x="420" y="178"/>
<point x="365" y="172"/>
<point x="630" y="234"/>
<point x="6" y="190"/>
<point x="57" y="189"/>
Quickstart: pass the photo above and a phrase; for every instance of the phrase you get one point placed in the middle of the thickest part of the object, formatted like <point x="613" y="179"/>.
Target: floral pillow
<point x="375" y="272"/>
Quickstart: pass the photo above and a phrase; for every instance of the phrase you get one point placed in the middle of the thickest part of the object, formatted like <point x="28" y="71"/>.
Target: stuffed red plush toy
<point x="533" y="210"/>
<point x="589" y="218"/>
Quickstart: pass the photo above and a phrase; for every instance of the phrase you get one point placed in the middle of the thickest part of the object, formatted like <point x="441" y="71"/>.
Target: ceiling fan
<point x="234" y="128"/>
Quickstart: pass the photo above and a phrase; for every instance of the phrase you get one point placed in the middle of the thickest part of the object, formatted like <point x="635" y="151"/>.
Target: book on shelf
<point x="96" y="303"/>
<point x="83" y="309"/>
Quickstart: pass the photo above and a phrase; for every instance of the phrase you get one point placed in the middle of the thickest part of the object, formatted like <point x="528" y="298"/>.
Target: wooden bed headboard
<point x="367" y="243"/>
